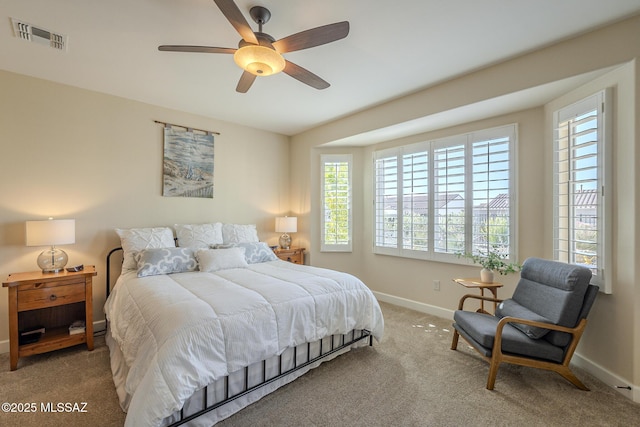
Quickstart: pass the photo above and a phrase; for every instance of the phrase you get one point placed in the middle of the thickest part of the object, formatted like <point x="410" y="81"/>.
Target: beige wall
<point x="611" y="346"/>
<point x="72" y="153"/>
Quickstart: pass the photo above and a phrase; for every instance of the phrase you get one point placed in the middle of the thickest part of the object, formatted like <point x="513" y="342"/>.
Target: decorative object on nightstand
<point x="294" y="255"/>
<point x="43" y="307"/>
<point x="51" y="232"/>
<point x="77" y="327"/>
<point x="286" y="224"/>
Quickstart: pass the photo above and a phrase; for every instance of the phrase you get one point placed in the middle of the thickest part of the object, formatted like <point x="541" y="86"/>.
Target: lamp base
<point x="285" y="241"/>
<point x="52" y="260"/>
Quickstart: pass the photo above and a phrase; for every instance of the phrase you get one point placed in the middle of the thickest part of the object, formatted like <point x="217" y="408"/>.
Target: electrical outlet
<point x="436" y="285"/>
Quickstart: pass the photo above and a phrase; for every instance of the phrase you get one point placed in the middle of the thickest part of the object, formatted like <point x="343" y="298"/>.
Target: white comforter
<point x="180" y="332"/>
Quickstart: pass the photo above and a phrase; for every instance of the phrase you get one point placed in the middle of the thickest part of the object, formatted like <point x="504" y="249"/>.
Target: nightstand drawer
<point x="294" y="255"/>
<point x="51" y="296"/>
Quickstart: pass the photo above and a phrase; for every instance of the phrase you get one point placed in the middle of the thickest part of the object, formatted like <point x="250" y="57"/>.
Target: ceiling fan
<point x="259" y="54"/>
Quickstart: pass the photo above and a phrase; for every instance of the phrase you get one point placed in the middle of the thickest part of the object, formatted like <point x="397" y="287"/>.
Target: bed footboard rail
<point x="337" y="343"/>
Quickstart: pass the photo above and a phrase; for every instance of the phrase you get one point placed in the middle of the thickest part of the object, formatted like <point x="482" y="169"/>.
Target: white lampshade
<point x="51" y="232"/>
<point x="286" y="224"/>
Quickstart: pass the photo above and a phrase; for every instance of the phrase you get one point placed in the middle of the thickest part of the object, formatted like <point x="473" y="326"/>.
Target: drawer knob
<point x="53" y="298"/>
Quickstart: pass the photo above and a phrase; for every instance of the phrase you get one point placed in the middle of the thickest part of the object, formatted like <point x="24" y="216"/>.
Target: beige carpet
<point x="411" y="378"/>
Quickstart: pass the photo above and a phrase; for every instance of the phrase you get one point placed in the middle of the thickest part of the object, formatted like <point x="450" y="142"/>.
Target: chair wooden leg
<point x="494" y="364"/>
<point x="570" y="376"/>
<point x="454" y="342"/>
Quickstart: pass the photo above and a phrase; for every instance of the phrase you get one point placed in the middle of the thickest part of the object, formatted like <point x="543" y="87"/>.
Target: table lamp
<point x="286" y="224"/>
<point x="51" y="232"/>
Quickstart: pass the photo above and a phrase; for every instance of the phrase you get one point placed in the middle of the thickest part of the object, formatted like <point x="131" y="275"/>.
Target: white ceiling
<point x="394" y="48"/>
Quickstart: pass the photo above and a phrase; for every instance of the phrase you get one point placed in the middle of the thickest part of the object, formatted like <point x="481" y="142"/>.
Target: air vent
<point x="28" y="32"/>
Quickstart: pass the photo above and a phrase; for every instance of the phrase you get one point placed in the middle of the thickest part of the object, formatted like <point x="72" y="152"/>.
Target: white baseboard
<point x="623" y="387"/>
<point x="98" y="326"/>
<point x="414" y="305"/>
<point x="630" y="391"/>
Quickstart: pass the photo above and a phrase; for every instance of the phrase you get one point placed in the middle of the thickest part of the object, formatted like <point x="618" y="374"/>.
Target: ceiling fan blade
<point x="202" y="49"/>
<point x="305" y="76"/>
<point x="246" y="80"/>
<point x="237" y="19"/>
<point x="313" y="37"/>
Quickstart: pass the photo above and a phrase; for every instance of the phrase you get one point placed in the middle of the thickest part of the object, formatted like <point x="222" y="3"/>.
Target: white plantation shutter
<point x="448" y="197"/>
<point x="336" y="203"/>
<point x="388" y="194"/>
<point x="415" y="208"/>
<point x="493" y="207"/>
<point x="581" y="168"/>
<point x="436" y="199"/>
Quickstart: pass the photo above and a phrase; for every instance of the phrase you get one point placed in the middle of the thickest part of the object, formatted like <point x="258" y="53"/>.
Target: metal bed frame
<point x="344" y="341"/>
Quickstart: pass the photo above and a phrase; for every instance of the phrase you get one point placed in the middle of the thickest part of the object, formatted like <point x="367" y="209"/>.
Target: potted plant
<point x="491" y="262"/>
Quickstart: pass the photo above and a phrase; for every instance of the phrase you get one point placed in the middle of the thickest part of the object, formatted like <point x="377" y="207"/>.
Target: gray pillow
<point x="511" y="308"/>
<point x="152" y="262"/>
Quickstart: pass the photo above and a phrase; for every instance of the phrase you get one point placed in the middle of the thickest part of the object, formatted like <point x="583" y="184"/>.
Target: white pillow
<point x="198" y="235"/>
<point x="254" y="252"/>
<point x="134" y="240"/>
<point x="239" y="233"/>
<point x="211" y="260"/>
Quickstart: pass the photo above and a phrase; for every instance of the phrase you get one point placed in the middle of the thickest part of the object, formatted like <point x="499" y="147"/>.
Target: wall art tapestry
<point x="188" y="164"/>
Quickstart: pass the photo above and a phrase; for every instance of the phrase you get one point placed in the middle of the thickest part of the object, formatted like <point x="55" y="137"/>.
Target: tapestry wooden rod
<point x="187" y="127"/>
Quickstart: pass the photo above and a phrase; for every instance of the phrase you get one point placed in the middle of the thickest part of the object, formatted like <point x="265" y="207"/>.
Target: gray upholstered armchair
<point x="540" y="326"/>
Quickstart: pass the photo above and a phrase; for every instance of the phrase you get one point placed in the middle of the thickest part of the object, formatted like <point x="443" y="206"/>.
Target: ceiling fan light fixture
<point x="259" y="60"/>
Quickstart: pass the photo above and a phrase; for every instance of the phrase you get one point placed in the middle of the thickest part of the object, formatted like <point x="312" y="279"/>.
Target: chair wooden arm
<point x="544" y="325"/>
<point x="478" y="297"/>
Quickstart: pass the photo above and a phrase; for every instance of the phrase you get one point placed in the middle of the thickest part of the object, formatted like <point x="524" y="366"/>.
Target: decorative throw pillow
<point x="255" y="252"/>
<point x="511" y="308"/>
<point x="211" y="260"/>
<point x="152" y="262"/>
<point x="198" y="235"/>
<point x="239" y="233"/>
<point x="136" y="239"/>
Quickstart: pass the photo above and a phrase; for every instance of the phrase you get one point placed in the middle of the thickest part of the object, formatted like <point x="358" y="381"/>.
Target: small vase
<point x="486" y="275"/>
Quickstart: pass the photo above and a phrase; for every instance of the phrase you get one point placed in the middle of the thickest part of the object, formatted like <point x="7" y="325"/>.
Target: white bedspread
<point x="180" y="332"/>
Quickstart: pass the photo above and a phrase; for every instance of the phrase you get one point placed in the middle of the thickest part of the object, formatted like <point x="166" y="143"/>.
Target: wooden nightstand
<point x="51" y="300"/>
<point x="294" y="255"/>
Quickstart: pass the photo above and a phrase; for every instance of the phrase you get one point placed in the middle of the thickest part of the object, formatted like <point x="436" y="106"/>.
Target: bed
<point x="199" y="331"/>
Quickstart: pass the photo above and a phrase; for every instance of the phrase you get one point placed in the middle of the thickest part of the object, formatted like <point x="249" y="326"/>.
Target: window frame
<point x="468" y="140"/>
<point x="334" y="246"/>
<point x="602" y="102"/>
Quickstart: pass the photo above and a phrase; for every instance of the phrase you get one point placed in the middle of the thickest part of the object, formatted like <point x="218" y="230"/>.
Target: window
<point x="336" y="203"/>
<point x="581" y="163"/>
<point x="436" y="199"/>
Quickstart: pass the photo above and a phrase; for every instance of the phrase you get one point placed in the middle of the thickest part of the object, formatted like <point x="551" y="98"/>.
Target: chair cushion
<point x="511" y="308"/>
<point x="479" y="329"/>
<point x="555" y="291"/>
